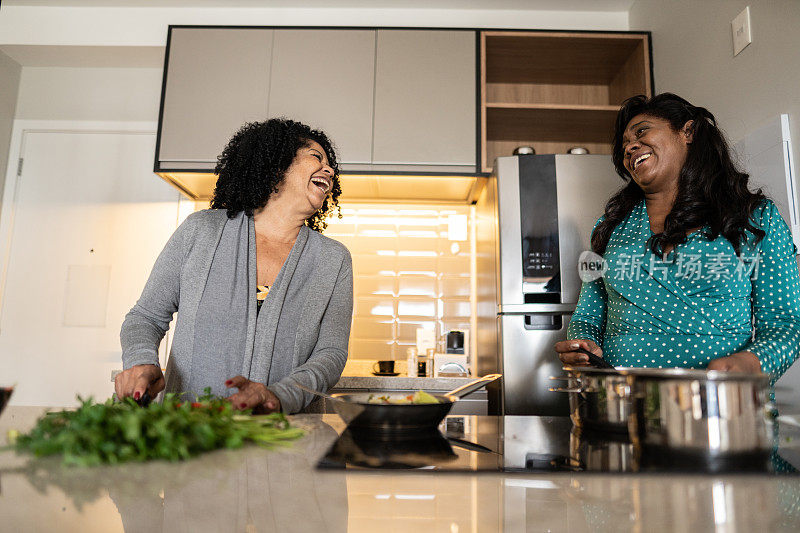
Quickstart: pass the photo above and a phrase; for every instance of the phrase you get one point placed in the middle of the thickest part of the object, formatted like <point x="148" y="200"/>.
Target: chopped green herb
<point x="115" y="432"/>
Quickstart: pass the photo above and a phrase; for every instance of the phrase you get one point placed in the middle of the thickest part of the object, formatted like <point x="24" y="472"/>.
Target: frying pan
<point x="360" y="415"/>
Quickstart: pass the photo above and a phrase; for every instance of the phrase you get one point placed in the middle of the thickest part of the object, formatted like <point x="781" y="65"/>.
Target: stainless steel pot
<point x="704" y="411"/>
<point x="676" y="411"/>
<point x="599" y="399"/>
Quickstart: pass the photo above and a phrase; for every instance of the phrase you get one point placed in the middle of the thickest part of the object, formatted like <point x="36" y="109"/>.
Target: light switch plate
<point x="740" y="27"/>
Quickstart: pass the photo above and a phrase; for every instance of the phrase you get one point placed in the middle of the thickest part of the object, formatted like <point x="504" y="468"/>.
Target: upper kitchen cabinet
<point x="425" y="100"/>
<point x="415" y="101"/>
<point x="325" y="78"/>
<point x="216" y="80"/>
<point x="554" y="90"/>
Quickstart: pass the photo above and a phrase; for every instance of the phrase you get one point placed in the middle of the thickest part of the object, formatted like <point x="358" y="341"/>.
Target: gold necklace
<point x="263" y="290"/>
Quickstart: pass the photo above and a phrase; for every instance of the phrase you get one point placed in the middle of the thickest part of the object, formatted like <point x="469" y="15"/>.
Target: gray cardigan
<point x="303" y="339"/>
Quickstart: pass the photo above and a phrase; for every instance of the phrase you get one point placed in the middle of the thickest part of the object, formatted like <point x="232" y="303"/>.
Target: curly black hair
<point x="255" y="161"/>
<point x="711" y="189"/>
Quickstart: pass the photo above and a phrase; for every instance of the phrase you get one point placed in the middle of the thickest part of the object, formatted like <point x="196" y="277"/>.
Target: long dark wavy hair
<point x="255" y="161"/>
<point x="711" y="190"/>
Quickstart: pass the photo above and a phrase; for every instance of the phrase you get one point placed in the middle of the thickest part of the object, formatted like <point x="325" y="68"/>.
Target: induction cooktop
<point x="527" y="444"/>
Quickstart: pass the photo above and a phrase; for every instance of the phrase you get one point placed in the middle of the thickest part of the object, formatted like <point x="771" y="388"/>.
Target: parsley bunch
<point x="115" y="432"/>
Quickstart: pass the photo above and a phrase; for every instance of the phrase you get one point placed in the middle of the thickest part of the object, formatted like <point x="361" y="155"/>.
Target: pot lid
<point x="671" y="373"/>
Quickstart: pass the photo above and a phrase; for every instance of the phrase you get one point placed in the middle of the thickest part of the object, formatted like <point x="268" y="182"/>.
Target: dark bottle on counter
<point x="424" y="363"/>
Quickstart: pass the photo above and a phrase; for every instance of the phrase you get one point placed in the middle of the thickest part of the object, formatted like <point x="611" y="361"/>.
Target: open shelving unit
<point x="556" y="90"/>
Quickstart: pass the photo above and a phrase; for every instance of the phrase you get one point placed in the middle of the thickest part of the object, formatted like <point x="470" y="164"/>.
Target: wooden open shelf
<point x="556" y="90"/>
<point x="556" y="123"/>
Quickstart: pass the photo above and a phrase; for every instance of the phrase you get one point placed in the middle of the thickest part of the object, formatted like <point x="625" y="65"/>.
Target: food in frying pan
<point x="419" y="397"/>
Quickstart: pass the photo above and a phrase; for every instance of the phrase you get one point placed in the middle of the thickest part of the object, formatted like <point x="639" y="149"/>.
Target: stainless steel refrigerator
<point x="534" y="218"/>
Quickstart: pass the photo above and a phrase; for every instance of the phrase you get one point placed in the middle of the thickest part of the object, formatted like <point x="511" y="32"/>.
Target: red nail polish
<point x="136" y="395"/>
<point x="228" y="382"/>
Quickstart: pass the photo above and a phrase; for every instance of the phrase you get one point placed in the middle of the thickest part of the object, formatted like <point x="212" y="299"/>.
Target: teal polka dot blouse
<point x="698" y="303"/>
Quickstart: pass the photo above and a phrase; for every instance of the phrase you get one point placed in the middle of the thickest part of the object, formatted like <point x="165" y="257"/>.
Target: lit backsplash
<point x="411" y="266"/>
<point x="411" y="269"/>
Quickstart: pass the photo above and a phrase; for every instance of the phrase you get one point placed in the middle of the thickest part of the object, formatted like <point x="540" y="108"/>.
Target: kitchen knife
<point x="144" y="400"/>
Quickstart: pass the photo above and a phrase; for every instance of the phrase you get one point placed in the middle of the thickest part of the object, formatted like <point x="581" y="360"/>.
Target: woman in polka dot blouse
<point x="701" y="271"/>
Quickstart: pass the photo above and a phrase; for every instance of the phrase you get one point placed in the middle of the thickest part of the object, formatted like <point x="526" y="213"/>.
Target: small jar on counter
<point x="411" y="362"/>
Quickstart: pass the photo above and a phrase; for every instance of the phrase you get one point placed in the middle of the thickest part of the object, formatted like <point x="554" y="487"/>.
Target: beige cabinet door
<point x="325" y="78"/>
<point x="217" y="79"/>
<point x="425" y="98"/>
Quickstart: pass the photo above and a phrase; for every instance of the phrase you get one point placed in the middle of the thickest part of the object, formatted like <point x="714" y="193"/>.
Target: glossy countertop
<point x="254" y="489"/>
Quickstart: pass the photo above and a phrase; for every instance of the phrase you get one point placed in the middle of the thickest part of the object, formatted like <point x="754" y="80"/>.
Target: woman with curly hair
<point x="264" y="301"/>
<point x="701" y="271"/>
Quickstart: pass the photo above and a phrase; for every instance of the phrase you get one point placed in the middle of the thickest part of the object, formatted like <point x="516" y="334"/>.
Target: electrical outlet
<point x="740" y="27"/>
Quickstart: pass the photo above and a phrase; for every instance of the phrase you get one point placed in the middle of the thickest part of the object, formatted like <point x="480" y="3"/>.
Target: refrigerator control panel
<point x="539" y="225"/>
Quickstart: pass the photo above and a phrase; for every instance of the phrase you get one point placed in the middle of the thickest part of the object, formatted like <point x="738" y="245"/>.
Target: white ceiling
<point x="64" y="55"/>
<point x="524" y="5"/>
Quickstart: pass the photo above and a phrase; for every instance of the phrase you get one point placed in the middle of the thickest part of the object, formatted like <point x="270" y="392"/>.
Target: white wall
<point x="693" y="57"/>
<point x="119" y="94"/>
<point x="9" y="83"/>
<point x="147" y="26"/>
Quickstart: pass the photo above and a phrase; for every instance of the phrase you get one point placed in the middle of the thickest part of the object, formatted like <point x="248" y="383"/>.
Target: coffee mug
<point x="383" y="367"/>
<point x="455" y="341"/>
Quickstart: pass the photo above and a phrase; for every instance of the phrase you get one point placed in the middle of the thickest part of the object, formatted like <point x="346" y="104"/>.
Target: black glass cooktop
<point x="527" y="444"/>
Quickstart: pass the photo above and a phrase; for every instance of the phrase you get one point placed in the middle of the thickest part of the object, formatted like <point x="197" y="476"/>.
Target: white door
<point x="89" y="219"/>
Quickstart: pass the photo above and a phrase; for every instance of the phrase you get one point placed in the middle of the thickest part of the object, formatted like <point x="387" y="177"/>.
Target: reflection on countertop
<point x="254" y="489"/>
